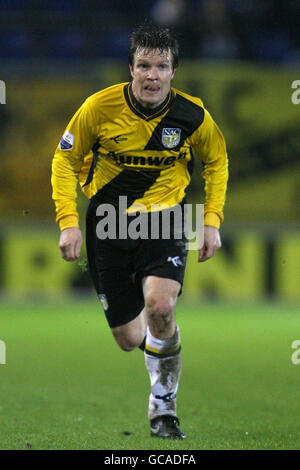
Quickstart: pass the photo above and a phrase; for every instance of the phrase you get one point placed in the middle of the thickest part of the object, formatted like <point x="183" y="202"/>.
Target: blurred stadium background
<point x="241" y="58"/>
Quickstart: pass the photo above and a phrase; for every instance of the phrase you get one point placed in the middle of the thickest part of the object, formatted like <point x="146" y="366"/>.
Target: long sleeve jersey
<point x="113" y="147"/>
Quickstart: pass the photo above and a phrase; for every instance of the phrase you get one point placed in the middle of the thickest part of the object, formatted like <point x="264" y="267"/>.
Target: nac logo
<point x="170" y="137"/>
<point x="2" y="92"/>
<point x="2" y="352"/>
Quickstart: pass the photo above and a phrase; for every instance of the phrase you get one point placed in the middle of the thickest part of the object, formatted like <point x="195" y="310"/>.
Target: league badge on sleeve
<point x="170" y="137"/>
<point x="67" y="141"/>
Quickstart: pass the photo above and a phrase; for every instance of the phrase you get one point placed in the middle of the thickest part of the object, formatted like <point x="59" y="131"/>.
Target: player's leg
<point x="160" y="296"/>
<point x="162" y="354"/>
<point x="132" y="334"/>
<point x="112" y="275"/>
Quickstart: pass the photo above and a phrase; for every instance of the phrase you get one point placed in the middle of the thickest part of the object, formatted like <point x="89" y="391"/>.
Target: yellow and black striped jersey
<point x="115" y="147"/>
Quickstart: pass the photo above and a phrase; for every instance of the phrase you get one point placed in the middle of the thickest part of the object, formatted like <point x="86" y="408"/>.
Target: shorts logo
<point x="67" y="141"/>
<point x="103" y="300"/>
<point x="170" y="137"/>
<point x="175" y="260"/>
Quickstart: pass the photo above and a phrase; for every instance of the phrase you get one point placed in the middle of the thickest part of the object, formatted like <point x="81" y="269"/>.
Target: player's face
<point x="152" y="72"/>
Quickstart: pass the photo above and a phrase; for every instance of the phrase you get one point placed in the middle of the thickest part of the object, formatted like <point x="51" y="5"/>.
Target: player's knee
<point x="160" y="305"/>
<point x="160" y="312"/>
<point x="127" y="342"/>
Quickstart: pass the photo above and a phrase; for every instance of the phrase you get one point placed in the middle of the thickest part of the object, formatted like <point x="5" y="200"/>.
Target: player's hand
<point x="70" y="243"/>
<point x="212" y="242"/>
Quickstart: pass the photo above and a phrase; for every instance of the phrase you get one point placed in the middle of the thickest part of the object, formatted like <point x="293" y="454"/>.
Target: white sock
<point x="163" y="362"/>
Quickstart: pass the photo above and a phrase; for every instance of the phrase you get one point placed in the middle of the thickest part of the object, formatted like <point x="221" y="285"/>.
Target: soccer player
<point x="136" y="139"/>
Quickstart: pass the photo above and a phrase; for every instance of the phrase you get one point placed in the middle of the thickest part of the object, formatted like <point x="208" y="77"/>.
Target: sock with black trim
<point x="163" y="362"/>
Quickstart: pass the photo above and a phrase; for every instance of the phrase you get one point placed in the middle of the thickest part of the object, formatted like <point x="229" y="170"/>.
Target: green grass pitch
<point x="66" y="385"/>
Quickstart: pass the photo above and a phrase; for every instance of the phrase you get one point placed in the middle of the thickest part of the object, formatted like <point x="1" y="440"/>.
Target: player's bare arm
<point x="70" y="243"/>
<point x="212" y="242"/>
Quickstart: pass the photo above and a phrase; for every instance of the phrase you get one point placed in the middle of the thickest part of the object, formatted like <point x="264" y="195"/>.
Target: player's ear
<point x="131" y="70"/>
<point x="173" y="73"/>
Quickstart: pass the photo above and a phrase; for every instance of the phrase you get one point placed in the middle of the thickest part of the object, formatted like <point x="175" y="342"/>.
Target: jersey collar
<point x="145" y="113"/>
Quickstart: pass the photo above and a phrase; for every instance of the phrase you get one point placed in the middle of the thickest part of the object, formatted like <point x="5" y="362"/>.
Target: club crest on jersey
<point x="170" y="137"/>
<point x="67" y="141"/>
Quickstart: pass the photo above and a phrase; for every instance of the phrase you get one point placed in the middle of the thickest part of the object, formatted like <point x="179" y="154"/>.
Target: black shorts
<point x="117" y="267"/>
